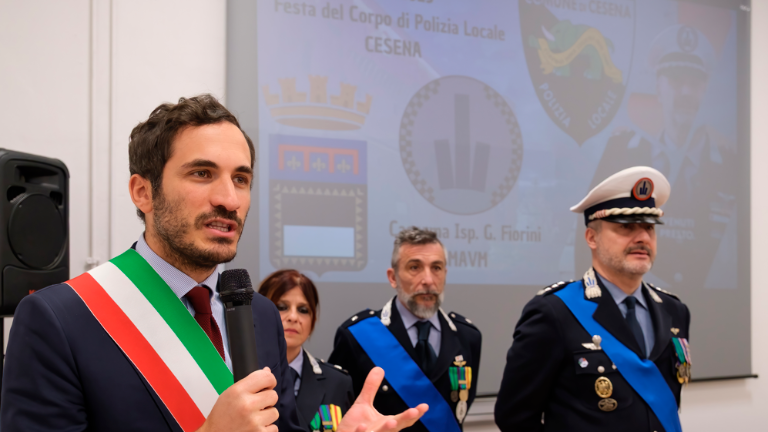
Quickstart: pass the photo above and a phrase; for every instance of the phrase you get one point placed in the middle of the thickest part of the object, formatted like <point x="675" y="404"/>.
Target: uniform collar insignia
<point x="653" y="294"/>
<point x="315" y="366"/>
<point x="386" y="313"/>
<point x="591" y="288"/>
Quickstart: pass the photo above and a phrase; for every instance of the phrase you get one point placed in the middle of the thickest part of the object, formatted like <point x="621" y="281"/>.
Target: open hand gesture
<point x="363" y="417"/>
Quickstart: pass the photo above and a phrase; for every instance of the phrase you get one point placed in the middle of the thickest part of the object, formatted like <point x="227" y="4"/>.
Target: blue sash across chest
<point x="641" y="374"/>
<point x="405" y="377"/>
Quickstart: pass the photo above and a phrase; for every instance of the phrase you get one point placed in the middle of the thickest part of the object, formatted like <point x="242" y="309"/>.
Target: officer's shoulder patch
<point x="663" y="291"/>
<point x="553" y="288"/>
<point x="332" y="367"/>
<point x="354" y="319"/>
<point x="458" y="318"/>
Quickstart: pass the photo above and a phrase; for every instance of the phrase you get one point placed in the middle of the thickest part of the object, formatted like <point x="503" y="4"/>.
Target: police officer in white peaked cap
<point x="674" y="136"/>
<point x="633" y="195"/>
<point x="607" y="352"/>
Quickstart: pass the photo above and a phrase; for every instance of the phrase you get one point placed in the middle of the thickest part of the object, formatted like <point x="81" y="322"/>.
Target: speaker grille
<point x="36" y="230"/>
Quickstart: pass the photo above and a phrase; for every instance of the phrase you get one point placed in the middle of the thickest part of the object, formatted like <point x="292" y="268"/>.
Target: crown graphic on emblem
<point x="317" y="110"/>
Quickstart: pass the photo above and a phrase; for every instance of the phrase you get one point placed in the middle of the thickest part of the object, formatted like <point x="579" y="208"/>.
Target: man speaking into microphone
<point x="140" y="343"/>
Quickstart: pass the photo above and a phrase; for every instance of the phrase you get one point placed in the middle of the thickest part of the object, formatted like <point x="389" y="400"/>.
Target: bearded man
<point x="608" y="352"/>
<point x="140" y="343"/>
<point x="428" y="355"/>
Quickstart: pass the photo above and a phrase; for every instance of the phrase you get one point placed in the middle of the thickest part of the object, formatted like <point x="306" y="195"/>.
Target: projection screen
<point x="485" y="121"/>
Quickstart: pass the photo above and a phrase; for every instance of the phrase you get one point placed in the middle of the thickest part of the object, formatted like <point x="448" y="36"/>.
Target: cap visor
<point x="622" y="219"/>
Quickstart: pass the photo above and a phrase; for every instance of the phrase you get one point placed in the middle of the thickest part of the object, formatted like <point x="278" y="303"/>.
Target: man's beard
<point x="173" y="230"/>
<point x="620" y="264"/>
<point x="423" y="312"/>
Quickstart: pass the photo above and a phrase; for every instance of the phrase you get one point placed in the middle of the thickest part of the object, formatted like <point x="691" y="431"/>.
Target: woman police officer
<point x="323" y="392"/>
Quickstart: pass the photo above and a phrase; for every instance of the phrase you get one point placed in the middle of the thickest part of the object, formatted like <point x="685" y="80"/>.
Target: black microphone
<point x="236" y="293"/>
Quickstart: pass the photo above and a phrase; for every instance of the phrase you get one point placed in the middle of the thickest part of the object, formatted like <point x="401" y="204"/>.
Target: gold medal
<point x="604" y="387"/>
<point x="464" y="395"/>
<point x="607" y="405"/>
<point x="461" y="411"/>
<point x="454" y="396"/>
<point x="683" y="373"/>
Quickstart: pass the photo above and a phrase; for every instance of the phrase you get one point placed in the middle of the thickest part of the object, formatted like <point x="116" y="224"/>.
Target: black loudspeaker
<point x="34" y="215"/>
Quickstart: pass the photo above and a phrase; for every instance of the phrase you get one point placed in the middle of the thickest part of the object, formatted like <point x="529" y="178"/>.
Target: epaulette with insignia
<point x="334" y="367"/>
<point x="359" y="316"/>
<point x="461" y="319"/>
<point x="554" y="287"/>
<point x="663" y="291"/>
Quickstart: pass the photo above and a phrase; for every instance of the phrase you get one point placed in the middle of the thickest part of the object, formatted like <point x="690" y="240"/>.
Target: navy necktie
<point x="634" y="325"/>
<point x="294" y="378"/>
<point x="424" y="351"/>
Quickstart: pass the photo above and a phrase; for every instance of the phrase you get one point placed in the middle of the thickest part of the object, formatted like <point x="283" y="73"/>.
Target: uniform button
<point x="453" y="315"/>
<point x="372" y="312"/>
<point x="354" y="318"/>
<point x="385" y="387"/>
<point x="600" y="369"/>
<point x="614" y="368"/>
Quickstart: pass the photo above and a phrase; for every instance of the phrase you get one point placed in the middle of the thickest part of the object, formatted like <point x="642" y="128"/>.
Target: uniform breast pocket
<point x="599" y="384"/>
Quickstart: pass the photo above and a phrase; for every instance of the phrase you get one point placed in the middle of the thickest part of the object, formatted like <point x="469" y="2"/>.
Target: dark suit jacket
<point x="543" y="375"/>
<point x="332" y="386"/>
<point x="63" y="372"/>
<point x="465" y="341"/>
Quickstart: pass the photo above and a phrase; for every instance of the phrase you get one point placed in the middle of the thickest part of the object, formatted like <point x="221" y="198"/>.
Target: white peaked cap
<point x="621" y="187"/>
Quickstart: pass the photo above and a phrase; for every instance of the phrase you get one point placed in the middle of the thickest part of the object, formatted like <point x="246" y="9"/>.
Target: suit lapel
<point x="311" y="392"/>
<point x="662" y="323"/>
<point x="449" y="349"/>
<point x="398" y="329"/>
<point x="610" y="317"/>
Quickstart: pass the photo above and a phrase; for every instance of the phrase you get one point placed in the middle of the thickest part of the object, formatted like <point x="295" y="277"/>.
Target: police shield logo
<point x="579" y="56"/>
<point x="318" y="203"/>
<point x="643" y="189"/>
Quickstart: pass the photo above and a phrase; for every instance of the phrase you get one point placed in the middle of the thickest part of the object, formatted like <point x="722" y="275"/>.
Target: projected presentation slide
<point x="485" y="121"/>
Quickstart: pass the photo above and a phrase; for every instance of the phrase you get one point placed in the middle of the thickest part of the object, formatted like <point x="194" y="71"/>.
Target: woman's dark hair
<point x="151" y="141"/>
<point x="282" y="281"/>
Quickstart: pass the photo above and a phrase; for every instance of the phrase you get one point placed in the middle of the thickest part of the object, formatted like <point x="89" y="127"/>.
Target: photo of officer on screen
<point x="698" y="161"/>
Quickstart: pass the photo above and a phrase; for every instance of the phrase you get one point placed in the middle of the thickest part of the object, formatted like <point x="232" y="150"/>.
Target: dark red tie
<point x="200" y="299"/>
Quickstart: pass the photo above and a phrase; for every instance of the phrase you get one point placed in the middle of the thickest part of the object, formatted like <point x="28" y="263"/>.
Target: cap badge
<point x="643" y="189"/>
<point x="687" y="39"/>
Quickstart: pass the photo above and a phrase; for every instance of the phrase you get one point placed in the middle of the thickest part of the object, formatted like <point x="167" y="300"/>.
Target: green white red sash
<point x="158" y="334"/>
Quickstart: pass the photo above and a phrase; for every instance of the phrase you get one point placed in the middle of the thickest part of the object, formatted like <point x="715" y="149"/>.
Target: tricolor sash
<point x="641" y="374"/>
<point x="405" y="377"/>
<point x="158" y="334"/>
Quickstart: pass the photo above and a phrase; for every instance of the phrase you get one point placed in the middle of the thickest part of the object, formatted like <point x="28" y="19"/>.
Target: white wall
<point x="45" y="93"/>
<point x="76" y="76"/>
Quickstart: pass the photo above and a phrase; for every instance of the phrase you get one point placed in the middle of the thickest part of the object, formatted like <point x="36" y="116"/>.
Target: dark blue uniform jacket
<point x="465" y="341"/>
<point x="545" y="387"/>
<point x="332" y="386"/>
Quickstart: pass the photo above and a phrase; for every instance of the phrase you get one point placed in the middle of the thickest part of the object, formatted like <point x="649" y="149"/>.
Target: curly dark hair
<point x="151" y="141"/>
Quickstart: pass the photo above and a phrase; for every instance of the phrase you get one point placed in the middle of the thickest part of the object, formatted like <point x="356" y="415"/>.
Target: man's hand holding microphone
<point x="249" y="404"/>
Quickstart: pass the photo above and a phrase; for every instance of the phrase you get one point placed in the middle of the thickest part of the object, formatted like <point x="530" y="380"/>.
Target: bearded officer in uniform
<point x="698" y="161"/>
<point x="428" y="355"/>
<point x="608" y="352"/>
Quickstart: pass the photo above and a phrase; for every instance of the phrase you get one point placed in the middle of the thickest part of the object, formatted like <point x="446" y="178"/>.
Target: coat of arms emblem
<point x="579" y="60"/>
